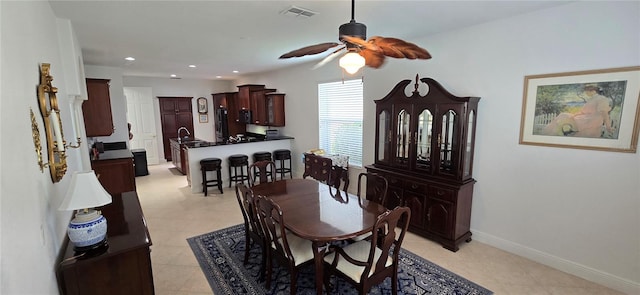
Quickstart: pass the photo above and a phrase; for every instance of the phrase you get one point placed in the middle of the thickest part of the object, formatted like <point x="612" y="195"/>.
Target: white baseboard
<point x="587" y="273"/>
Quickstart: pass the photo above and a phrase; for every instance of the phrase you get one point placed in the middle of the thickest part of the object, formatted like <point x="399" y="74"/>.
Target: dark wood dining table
<point x="314" y="211"/>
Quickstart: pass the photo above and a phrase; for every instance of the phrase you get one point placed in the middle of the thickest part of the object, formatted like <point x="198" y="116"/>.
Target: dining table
<point x="322" y="214"/>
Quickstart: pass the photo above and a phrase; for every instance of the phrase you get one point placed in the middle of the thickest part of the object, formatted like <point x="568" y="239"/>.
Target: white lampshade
<point x="85" y="191"/>
<point x="352" y="62"/>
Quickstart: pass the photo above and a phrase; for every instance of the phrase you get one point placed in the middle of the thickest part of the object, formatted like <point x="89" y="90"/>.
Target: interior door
<point x="141" y="116"/>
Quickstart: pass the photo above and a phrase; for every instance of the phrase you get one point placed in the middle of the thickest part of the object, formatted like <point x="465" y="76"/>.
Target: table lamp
<point x="88" y="229"/>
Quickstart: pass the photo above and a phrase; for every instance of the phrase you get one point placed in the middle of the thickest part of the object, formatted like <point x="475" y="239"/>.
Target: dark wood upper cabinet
<point x="244" y="95"/>
<point x="424" y="147"/>
<point x="98" y="120"/>
<point x="175" y="112"/>
<point x="258" y="105"/>
<point x="275" y="109"/>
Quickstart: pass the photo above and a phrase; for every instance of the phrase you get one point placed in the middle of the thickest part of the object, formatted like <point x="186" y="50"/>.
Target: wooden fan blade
<point x="329" y="58"/>
<point x="372" y="58"/>
<point x="394" y="47"/>
<point x="310" y="50"/>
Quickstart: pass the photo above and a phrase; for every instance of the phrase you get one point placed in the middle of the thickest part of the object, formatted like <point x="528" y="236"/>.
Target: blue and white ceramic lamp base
<point x="88" y="230"/>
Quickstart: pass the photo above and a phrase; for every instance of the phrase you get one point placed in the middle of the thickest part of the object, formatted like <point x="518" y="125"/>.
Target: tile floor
<point x="174" y="214"/>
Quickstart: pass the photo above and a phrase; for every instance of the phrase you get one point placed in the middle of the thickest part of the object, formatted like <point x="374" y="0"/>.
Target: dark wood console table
<point x="124" y="268"/>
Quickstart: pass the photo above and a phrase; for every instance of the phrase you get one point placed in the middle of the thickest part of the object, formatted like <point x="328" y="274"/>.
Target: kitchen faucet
<point x="185" y="129"/>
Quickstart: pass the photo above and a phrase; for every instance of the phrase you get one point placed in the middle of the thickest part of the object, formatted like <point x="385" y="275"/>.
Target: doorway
<point x="141" y="116"/>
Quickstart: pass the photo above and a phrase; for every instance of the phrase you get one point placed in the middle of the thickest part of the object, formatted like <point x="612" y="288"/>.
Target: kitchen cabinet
<point x="175" y="112"/>
<point x="98" y="119"/>
<point x="258" y="105"/>
<point x="244" y="95"/>
<point x="115" y="171"/>
<point x="178" y="155"/>
<point x="275" y="109"/>
<point x="424" y="146"/>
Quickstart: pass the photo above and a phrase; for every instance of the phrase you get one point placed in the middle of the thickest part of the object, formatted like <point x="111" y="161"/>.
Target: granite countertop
<point x="247" y="139"/>
<point x="113" y="155"/>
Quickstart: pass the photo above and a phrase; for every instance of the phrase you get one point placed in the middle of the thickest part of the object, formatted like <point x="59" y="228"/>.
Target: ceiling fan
<point x="361" y="52"/>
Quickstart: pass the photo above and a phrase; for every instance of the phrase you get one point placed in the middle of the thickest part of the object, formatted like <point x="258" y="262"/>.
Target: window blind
<point x="340" y="119"/>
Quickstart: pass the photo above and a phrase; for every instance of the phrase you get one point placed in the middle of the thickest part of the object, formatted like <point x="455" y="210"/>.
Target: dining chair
<point x="253" y="230"/>
<point x="261" y="172"/>
<point x="288" y="249"/>
<point x="369" y="262"/>
<point x="338" y="178"/>
<point x="376" y="191"/>
<point x="376" y="188"/>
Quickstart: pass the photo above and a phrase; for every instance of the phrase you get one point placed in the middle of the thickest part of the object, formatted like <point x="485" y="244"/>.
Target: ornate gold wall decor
<point x="52" y="126"/>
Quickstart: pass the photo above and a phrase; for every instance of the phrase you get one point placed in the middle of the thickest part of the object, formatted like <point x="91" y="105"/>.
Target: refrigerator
<point x="222" y="125"/>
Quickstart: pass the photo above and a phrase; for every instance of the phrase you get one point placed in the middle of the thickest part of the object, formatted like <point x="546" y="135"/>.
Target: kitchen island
<point x="199" y="150"/>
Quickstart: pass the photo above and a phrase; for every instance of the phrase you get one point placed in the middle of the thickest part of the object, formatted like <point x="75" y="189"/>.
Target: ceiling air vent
<point x="298" y="11"/>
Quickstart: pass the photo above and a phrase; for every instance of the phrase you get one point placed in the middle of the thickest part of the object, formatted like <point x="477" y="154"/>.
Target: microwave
<point x="244" y="116"/>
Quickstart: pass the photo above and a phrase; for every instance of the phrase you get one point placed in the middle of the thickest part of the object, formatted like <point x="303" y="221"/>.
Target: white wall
<point x="32" y="228"/>
<point x="575" y="210"/>
<point x="183" y="87"/>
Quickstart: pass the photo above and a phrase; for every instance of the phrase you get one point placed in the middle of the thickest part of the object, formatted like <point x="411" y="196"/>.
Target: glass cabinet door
<point x="447" y="142"/>
<point x="403" y="138"/>
<point x="384" y="137"/>
<point x="424" y="133"/>
<point x="468" y="146"/>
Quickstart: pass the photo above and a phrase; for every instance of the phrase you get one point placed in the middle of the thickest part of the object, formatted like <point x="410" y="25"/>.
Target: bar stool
<point x="280" y="156"/>
<point x="261" y="156"/>
<point x="211" y="164"/>
<point x="238" y="162"/>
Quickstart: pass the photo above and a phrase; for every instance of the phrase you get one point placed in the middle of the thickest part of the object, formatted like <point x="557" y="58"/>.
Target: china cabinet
<point x="424" y="146"/>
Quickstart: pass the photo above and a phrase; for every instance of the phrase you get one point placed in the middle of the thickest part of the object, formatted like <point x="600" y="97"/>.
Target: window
<point x="340" y="119"/>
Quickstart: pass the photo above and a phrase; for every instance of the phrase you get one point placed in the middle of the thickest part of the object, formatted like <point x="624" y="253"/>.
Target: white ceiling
<point x="249" y="36"/>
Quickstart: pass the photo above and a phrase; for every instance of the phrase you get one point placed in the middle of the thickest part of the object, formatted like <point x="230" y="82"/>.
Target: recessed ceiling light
<point x="218" y="77"/>
<point x="130" y="58"/>
<point x="192" y="66"/>
<point x="173" y="75"/>
<point x="236" y="72"/>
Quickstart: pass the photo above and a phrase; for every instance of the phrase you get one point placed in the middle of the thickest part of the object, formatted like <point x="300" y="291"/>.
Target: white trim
<point x="579" y="270"/>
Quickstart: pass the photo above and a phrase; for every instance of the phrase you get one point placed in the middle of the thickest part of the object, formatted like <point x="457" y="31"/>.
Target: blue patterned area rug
<point x="221" y="254"/>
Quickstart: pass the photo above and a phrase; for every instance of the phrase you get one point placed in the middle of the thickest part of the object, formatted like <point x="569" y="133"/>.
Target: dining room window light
<point x="340" y="119"/>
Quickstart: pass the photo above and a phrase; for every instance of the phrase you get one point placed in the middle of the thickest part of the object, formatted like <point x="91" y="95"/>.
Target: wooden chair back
<point x="376" y="188"/>
<point x="381" y="259"/>
<point x="253" y="228"/>
<point x="261" y="172"/>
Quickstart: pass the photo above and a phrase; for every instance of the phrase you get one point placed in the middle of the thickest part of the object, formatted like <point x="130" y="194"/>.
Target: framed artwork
<point x="203" y="108"/>
<point x="595" y="110"/>
<point x="203" y="118"/>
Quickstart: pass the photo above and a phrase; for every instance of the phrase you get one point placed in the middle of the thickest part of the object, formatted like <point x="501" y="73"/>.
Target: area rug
<point x="221" y="254"/>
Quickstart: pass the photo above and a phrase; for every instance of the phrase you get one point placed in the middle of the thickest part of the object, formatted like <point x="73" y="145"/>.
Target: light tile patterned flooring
<point x="174" y="214"/>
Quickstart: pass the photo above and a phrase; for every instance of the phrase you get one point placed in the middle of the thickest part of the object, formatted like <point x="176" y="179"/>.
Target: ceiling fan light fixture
<point x="352" y="62"/>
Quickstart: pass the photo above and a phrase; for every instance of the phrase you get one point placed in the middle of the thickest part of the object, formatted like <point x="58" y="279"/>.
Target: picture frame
<point x="203" y="106"/>
<point x="593" y="110"/>
<point x="203" y="118"/>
